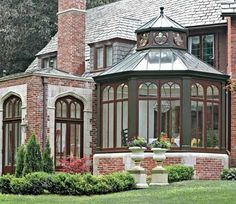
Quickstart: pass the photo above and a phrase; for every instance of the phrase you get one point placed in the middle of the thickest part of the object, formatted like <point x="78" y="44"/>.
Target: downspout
<point x="44" y="121"/>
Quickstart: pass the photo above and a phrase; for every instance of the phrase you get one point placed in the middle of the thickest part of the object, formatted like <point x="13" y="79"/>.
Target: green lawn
<point x="193" y="192"/>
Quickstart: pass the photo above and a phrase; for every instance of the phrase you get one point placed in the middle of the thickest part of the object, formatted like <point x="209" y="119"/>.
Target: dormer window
<point x="202" y="46"/>
<point x="49" y="62"/>
<point x="103" y="57"/>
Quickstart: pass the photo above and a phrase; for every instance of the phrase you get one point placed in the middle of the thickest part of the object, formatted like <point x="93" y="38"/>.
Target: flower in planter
<point x="138" y="142"/>
<point x="164" y="144"/>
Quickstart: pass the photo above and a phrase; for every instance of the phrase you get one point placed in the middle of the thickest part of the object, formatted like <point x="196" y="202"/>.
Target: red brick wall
<point x="208" y="168"/>
<point x="232" y="69"/>
<point x="71" y="37"/>
<point x="205" y="168"/>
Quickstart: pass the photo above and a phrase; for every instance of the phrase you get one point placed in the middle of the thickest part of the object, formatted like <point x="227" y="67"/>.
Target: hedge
<point x="66" y="184"/>
<point x="179" y="173"/>
<point x="229" y="174"/>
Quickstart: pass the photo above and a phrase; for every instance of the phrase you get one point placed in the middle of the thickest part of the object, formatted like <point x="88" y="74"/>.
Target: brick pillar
<point x="71" y="36"/>
<point x="232" y="71"/>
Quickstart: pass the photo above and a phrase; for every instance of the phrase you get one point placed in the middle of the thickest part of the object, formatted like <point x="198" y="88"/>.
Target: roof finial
<point x="162" y="10"/>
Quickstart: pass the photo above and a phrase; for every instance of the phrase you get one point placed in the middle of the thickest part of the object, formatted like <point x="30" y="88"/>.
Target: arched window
<point x="197" y="115"/>
<point x="11" y="132"/>
<point x="170" y="112"/>
<point x="108" y="117"/>
<point x="69" y="128"/>
<point x="205" y="116"/>
<point x="148" y="110"/>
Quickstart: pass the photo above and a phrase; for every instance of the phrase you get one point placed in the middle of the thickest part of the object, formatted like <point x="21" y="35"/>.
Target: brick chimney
<point x="71" y="36"/>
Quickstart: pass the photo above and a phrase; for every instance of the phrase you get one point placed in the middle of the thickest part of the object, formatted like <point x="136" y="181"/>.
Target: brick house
<point x="122" y="70"/>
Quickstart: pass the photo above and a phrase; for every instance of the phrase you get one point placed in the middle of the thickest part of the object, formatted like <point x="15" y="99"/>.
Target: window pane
<point x="194" y="45"/>
<point x="100" y="58"/>
<point x="111" y="126"/>
<point x="60" y="141"/>
<point x="78" y="111"/>
<point x="119" y="127"/>
<point x="72" y="139"/>
<point x="45" y="63"/>
<point x="73" y="110"/>
<point x="165" y="90"/>
<point x="197" y="91"/>
<point x="53" y="63"/>
<point x="143" y="122"/>
<point x="213" y="93"/>
<point x="175" y="90"/>
<point x="152" y="89"/>
<point x="212" y="125"/>
<point x="78" y="142"/>
<point x="105" y="126"/>
<point x="64" y="109"/>
<point x="109" y="56"/>
<point x="197" y="121"/>
<point x="152" y="124"/>
<point x="143" y="90"/>
<point x="208" y="49"/>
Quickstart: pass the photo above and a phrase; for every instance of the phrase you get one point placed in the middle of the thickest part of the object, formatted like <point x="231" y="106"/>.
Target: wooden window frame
<point x="104" y="47"/>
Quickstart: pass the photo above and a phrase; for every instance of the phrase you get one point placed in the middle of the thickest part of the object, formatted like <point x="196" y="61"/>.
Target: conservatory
<point x="162" y="91"/>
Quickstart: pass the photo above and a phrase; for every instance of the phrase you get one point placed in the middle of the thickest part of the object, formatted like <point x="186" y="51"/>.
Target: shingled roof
<point x="120" y="19"/>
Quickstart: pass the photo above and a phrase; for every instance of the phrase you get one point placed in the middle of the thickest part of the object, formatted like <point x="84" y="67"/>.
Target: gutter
<point x="44" y="119"/>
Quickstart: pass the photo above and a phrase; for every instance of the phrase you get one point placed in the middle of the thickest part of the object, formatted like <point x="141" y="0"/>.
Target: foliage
<point x="179" y="173"/>
<point x="47" y="160"/>
<point x="74" y="165"/>
<point x="229" y="174"/>
<point x="33" y="158"/>
<point x="25" y="28"/>
<point x="161" y="144"/>
<point x="138" y="142"/>
<point x="5" y="183"/>
<point x="95" y="3"/>
<point x="20" y="161"/>
<point x="66" y="184"/>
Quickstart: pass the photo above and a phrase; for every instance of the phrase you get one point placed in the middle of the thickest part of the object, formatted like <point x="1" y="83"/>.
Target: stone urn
<point x="159" y="174"/>
<point x="138" y="172"/>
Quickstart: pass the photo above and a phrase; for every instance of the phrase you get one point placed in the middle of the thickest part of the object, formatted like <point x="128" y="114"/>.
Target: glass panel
<point x="45" y="63"/>
<point x="166" y="60"/>
<point x="143" y="90"/>
<point x="60" y="141"/>
<point x="78" y="142"/>
<point x="111" y="94"/>
<point x="119" y="125"/>
<point x="105" y="126"/>
<point x="197" y="91"/>
<point x="53" y="63"/>
<point x="194" y="45"/>
<point x="58" y="109"/>
<point x="111" y="126"/>
<point x="212" y="125"/>
<point x="213" y="93"/>
<point x="105" y="93"/>
<point x="64" y="109"/>
<point x="143" y="121"/>
<point x="73" y="110"/>
<point x="78" y="111"/>
<point x="125" y="92"/>
<point x="197" y="123"/>
<point x="152" y="124"/>
<point x="165" y="90"/>
<point x="208" y="49"/>
<point x="100" y="58"/>
<point x="119" y="94"/>
<point x="175" y="90"/>
<point x="152" y="90"/>
<point x="109" y="56"/>
<point x="72" y="139"/>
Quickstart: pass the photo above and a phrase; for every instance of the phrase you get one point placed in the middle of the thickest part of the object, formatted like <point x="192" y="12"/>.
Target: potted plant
<point x="137" y="147"/>
<point x="159" y="149"/>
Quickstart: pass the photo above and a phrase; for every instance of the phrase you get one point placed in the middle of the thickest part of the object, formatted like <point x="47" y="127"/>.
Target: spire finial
<point x="162" y="10"/>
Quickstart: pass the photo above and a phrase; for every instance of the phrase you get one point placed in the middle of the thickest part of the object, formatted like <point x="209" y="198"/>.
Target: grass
<point x="197" y="192"/>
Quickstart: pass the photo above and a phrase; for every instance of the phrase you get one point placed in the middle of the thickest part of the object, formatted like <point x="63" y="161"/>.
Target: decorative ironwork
<point x="144" y="39"/>
<point x="179" y="39"/>
<point x="161" y="38"/>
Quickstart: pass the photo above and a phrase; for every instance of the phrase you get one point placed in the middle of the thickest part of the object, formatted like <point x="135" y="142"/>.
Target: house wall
<point x="206" y="165"/>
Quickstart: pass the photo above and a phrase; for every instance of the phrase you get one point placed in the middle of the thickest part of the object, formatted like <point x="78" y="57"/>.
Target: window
<point x="11" y="132"/>
<point x="115" y="116"/>
<point x="205" y="116"/>
<point x="50" y="62"/>
<point x="202" y="47"/>
<point x="69" y="128"/>
<point x="103" y="57"/>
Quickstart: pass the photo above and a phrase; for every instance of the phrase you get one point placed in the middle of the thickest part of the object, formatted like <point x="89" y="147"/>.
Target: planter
<point x="159" y="174"/>
<point x="138" y="172"/>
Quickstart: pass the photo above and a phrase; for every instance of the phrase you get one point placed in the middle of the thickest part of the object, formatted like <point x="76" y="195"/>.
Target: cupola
<point x="161" y="32"/>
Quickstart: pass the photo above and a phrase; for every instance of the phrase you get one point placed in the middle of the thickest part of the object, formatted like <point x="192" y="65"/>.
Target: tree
<point x="20" y="161"/>
<point x="47" y="161"/>
<point x="95" y="3"/>
<point x="33" y="158"/>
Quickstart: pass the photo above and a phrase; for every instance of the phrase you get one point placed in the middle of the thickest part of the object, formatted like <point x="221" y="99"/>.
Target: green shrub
<point x="20" y="186"/>
<point x="179" y="173"/>
<point x="33" y="158"/>
<point x="20" y="161"/>
<point x="5" y="184"/>
<point x="47" y="161"/>
<point x="229" y="174"/>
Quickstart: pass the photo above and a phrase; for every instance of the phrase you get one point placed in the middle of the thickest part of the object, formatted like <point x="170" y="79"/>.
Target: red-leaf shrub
<point x="74" y="165"/>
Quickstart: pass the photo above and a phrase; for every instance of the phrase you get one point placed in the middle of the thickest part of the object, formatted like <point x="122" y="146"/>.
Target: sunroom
<point x="161" y="90"/>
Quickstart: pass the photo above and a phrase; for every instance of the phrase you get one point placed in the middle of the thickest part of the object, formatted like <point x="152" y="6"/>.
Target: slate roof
<point x="120" y="19"/>
<point x="228" y="7"/>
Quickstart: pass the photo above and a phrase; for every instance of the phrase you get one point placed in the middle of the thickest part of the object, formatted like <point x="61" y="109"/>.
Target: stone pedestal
<point x="140" y="176"/>
<point x="159" y="177"/>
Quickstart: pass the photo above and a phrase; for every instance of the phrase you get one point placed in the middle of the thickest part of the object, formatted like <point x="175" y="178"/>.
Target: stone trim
<point x="71" y="10"/>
